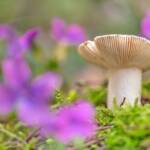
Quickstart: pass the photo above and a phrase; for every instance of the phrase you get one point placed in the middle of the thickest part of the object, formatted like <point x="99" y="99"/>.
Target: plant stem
<point x="2" y="129"/>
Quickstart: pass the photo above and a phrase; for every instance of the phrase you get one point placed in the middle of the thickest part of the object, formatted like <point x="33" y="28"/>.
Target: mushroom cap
<point x="117" y="51"/>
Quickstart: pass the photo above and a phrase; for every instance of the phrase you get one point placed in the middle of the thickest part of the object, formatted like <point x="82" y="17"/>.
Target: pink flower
<point x="145" y="25"/>
<point x="71" y="35"/>
<point x="17" y="45"/>
<point x="72" y="122"/>
<point x="29" y="97"/>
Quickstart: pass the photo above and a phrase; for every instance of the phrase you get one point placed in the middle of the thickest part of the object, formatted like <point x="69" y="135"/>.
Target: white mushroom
<point x="124" y="57"/>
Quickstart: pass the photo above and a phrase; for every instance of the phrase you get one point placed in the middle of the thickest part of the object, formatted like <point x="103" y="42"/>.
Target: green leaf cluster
<point x="131" y="128"/>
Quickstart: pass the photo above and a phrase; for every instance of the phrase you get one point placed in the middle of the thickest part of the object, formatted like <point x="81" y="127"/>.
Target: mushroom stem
<point x="124" y="84"/>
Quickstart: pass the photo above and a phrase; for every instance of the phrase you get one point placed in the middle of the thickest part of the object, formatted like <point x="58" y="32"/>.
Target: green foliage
<point x="51" y="144"/>
<point x="72" y="96"/>
<point x="61" y="99"/>
<point x="104" y="116"/>
<point x="146" y="90"/>
<point x="131" y="129"/>
<point x="130" y="126"/>
<point x="53" y="65"/>
<point x="13" y="135"/>
<point x="97" y="96"/>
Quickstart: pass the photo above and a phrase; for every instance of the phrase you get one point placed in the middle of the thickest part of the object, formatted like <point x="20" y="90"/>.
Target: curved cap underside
<point x="117" y="51"/>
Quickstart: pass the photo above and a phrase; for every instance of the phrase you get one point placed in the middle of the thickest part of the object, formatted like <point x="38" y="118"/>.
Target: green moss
<point x="97" y="96"/>
<point x="130" y="129"/>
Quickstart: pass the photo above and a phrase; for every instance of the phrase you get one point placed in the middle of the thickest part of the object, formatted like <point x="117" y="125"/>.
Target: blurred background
<point x="97" y="17"/>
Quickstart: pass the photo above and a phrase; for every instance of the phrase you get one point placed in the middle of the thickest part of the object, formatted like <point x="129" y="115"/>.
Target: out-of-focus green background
<point x="97" y="16"/>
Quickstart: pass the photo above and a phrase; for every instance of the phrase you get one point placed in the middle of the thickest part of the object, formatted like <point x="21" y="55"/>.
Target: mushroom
<point x="124" y="57"/>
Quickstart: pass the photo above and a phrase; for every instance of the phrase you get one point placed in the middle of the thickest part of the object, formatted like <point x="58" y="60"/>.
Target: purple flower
<point x="6" y="100"/>
<point x="28" y="97"/>
<point x="17" y="46"/>
<point x="28" y="38"/>
<point x="72" y="122"/>
<point x="58" y="29"/>
<point x="46" y="84"/>
<point x="7" y="32"/>
<point x="16" y="73"/>
<point x="71" y="35"/>
<point x="145" y="25"/>
<point x="33" y="113"/>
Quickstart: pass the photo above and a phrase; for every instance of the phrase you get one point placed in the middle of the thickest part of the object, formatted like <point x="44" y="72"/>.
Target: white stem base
<point x="124" y="85"/>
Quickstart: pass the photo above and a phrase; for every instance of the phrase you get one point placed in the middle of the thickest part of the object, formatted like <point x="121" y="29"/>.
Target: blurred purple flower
<point x="17" y="46"/>
<point x="145" y="25"/>
<point x="72" y="122"/>
<point x="28" y="38"/>
<point x="7" y="32"/>
<point x="6" y="100"/>
<point x="29" y="98"/>
<point x="16" y="73"/>
<point x="46" y="84"/>
<point x="71" y="35"/>
<point x="32" y="112"/>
